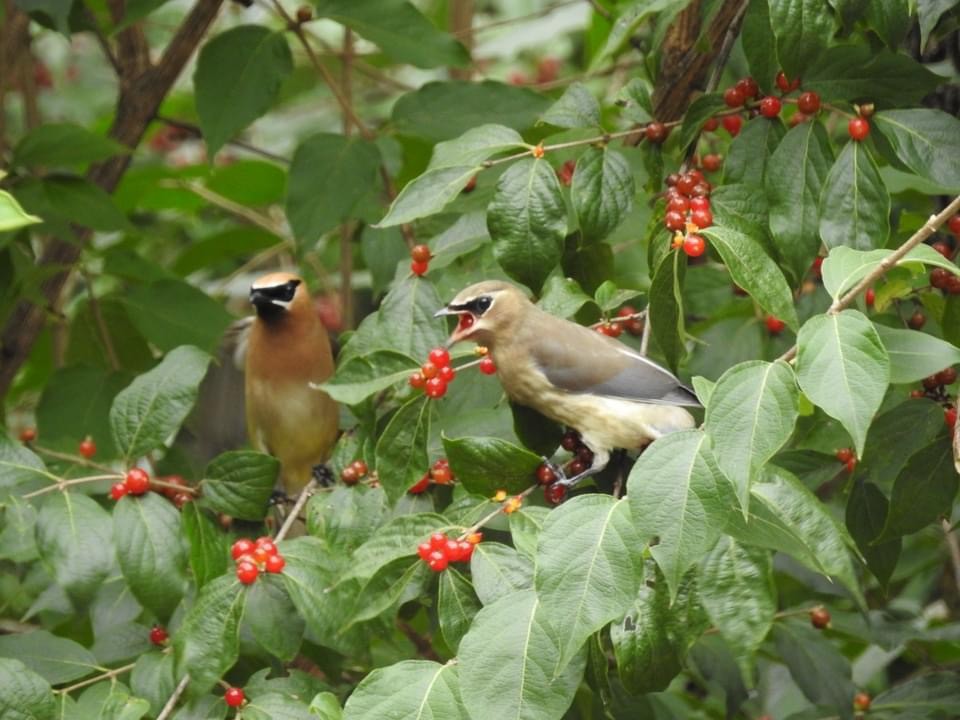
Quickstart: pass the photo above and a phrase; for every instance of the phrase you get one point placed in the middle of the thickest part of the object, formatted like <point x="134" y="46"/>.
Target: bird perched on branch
<point x="287" y="350"/>
<point x="613" y="396"/>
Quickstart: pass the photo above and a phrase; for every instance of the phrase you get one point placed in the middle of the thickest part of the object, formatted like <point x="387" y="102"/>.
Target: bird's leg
<point x="323" y="475"/>
<point x="599" y="462"/>
<point x="278" y="497"/>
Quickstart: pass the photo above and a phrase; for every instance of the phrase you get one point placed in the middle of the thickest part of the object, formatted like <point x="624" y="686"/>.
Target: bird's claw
<point x="323" y="475"/>
<point x="278" y="498"/>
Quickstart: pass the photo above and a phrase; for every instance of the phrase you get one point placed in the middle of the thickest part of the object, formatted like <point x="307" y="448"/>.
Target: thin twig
<point x="100" y="323"/>
<point x="64" y="484"/>
<point x="242" y="211"/>
<point x="197" y="132"/>
<point x="256" y="261"/>
<point x="172" y="700"/>
<point x="932" y="224"/>
<point x="499" y="509"/>
<point x="423" y="645"/>
<point x="295" y="511"/>
<point x="645" y="338"/>
<point x="67" y="457"/>
<point x="109" y="674"/>
<point x="954" y="546"/>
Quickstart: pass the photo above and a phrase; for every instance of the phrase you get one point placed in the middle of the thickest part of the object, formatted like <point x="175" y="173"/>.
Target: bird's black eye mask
<point x="283" y="293"/>
<point x="477" y="307"/>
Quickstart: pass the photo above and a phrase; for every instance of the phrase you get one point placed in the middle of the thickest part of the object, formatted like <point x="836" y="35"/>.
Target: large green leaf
<point x="153" y="559"/>
<point x="510" y="662"/>
<point x="24" y="694"/>
<point x="476" y="145"/>
<point x="795" y="176"/>
<point x="576" y="108"/>
<point x="63" y="144"/>
<point x="498" y="570"/>
<point x="399" y="29"/>
<point x="457" y="605"/>
<point x="666" y="307"/>
<point x="398" y="538"/>
<point x="700" y="110"/>
<point x="12" y="216"/>
<point x="365" y="375"/>
<point x="57" y="660"/>
<point x="915" y="355"/>
<point x="272" y="618"/>
<point x="751" y="414"/>
<point x="395" y="583"/>
<point x="410" y="689"/>
<point x="20" y="470"/>
<point x="888" y="447"/>
<point x="428" y="193"/>
<point x="487" y="464"/>
<point x="170" y="313"/>
<point x="816" y="665"/>
<point x="602" y="192"/>
<point x="843" y="368"/>
<point x="924" y="491"/>
<point x="678" y="494"/>
<point x="845" y="267"/>
<point x="329" y="176"/>
<point x="744" y="162"/>
<point x="348" y="516"/>
<point x="152" y="407"/>
<point x="930" y="695"/>
<point x="803" y="29"/>
<point x="207" y="545"/>
<point x="854" y="73"/>
<point x="238" y="76"/>
<point x="63" y="202"/>
<point x="239" y="483"/>
<point x="589" y="567"/>
<point x="926" y="141"/>
<point x="527" y="221"/>
<point x="854" y="202"/>
<point x="890" y="18"/>
<point x="402" y="448"/>
<point x="759" y="45"/>
<point x="867" y="510"/>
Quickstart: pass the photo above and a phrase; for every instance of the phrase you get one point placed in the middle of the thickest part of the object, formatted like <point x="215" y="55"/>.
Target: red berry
<point x="417" y="380"/>
<point x="861" y="702"/>
<point x="439" y="356"/>
<point x="944" y="249"/>
<point x="349" y="476"/>
<point x="555" y="493"/>
<point x="242" y="547"/>
<point x="748" y="86"/>
<point x="770" y="106"/>
<point x="452" y="550"/>
<point x="181" y="499"/>
<point x="678" y="204"/>
<point x="420" y="486"/>
<point x="917" y="320"/>
<point x="28" y="435"/>
<point x="954" y="225"/>
<point x="137" y="481"/>
<point x="774" y="325"/>
<point x="732" y="124"/>
<point x="360" y="466"/>
<point x="87" y="447"/>
<point x="487" y="366"/>
<point x="947" y="376"/>
<point x="266" y="544"/>
<point x="423" y="550"/>
<point x="545" y="474"/>
<point x="686" y="183"/>
<point x="733" y="97"/>
<point x="429" y="370"/>
<point x="711" y="124"/>
<point x="851" y="465"/>
<point x="672" y="179"/>
<point x="470" y="186"/>
<point x="700" y="203"/>
<point x="247" y="572"/>
<point x="260" y="555"/>
<point x="275" y="563"/>
<point x="696" y="175"/>
<point x="233" y="697"/>
<point x="441" y="475"/>
<point x="465" y="550"/>
<point x="656" y="132"/>
<point x="858" y="128"/>
<point x="118" y="490"/>
<point x="576" y="466"/>
<point x="420" y="253"/>
<point x="786" y="85"/>
<point x="702" y="218"/>
<point x="158" y="635"/>
<point x="475" y="538"/>
<point x="437" y="561"/>
<point x="436" y="388"/>
<point x="844" y="454"/>
<point x="438" y="541"/>
<point x="870" y="297"/>
<point x="809" y="103"/>
<point x="610" y="329"/>
<point x="419" y="268"/>
<point x="950" y="417"/>
<point x="939" y="278"/>
<point x="711" y="163"/>
<point x="674" y="221"/>
<point x="953" y="284"/>
<point x="304" y="14"/>
<point x="931" y="382"/>
<point x="820" y="617"/>
<point x="694" y="245"/>
<point x="447" y="373"/>
<point x="797" y="118"/>
<point x="570" y="440"/>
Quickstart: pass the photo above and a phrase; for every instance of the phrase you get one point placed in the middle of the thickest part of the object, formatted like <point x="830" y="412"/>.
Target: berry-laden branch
<point x="62" y="485"/>
<point x="929" y="228"/>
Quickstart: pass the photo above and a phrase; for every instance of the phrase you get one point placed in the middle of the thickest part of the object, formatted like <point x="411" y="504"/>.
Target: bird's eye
<point x="483" y="304"/>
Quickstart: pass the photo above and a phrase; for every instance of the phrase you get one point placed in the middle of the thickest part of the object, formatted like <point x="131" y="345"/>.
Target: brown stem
<point x="67" y="457"/>
<point x="96" y="678"/>
<point x="64" y="484"/>
<point x="423" y="645"/>
<point x="499" y="509"/>
<point x="195" y="131"/>
<point x="174" y="698"/>
<point x="305" y="494"/>
<point x="461" y="27"/>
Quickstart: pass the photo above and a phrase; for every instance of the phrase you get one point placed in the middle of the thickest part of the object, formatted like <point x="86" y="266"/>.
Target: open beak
<point x="462" y="330"/>
<point x="445" y="311"/>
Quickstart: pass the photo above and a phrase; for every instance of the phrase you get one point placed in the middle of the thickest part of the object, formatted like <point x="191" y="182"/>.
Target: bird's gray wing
<point x="580" y="360"/>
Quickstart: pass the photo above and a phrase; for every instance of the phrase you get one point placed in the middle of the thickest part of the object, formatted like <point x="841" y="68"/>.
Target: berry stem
<point x="174" y="698"/>
<point x="107" y="674"/>
<point x="782" y="615"/>
<point x="933" y="223"/>
<point x="639" y="315"/>
<point x="173" y="486"/>
<point x="302" y="498"/>
<point x="62" y="485"/>
<point x="69" y="457"/>
<point x="491" y="515"/>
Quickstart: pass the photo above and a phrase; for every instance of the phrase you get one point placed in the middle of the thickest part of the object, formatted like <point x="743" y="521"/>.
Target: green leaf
<point x="589" y="567"/>
<point x="24" y="694"/>
<point x="363" y="376"/>
<point x="854" y="202"/>
<point x="803" y="29"/>
<point x="562" y="296"/>
<point x="634" y="101"/>
<point x="602" y="192"/>
<point x="21" y="470"/>
<point x="457" y="605"/>
<point x="476" y="145"/>
<point x="928" y="695"/>
<point x="121" y="706"/>
<point x="398" y="538"/>
<point x="238" y="76"/>
<point x="888" y="447"/>
<point x="428" y="194"/>
<point x="152" y="557"/>
<point x="152" y="679"/>
<point x="925" y="140"/>
<point x="276" y="706"/>
<point x="326" y="707"/>
<point x="272" y="618"/>
<point x="609" y="297"/>
<point x="929" y="13"/>
<point x="845" y="267"/>
<point x="525" y="527"/>
<point x="409" y="689"/>
<point x="891" y="20"/>
<point x="63" y="144"/>
<point x="348" y="516"/>
<point x="151" y="408"/>
<point x="239" y="483"/>
<point x="509" y="661"/>
<point x="759" y="46"/>
<point x="700" y="110"/>
<point x="843" y="368"/>
<point x="208" y="642"/>
<point x="12" y="216"/>
<point x="867" y="510"/>
<point x="752" y="412"/>
<point x="487" y="464"/>
<point x="744" y="163"/>
<point x="402" y="448"/>
<point x="924" y="490"/>
<point x="399" y="29"/>
<point x="75" y="539"/>
<point x="665" y="311"/>
<point x="170" y="313"/>
<point x="444" y="110"/>
<point x="678" y="494"/>
<point x="396" y="582"/>
<point x="822" y="673"/>
<point x="329" y="176"/>
<point x="795" y="176"/>
<point x="64" y="201"/>
<point x="57" y="660"/>
<point x="742" y="208"/>
<point x="206" y="542"/>
<point x="527" y="221"/>
<point x="576" y="108"/>
<point x="753" y="270"/>
<point x="499" y="570"/>
<point x="855" y="73"/>
<point x="915" y="355"/>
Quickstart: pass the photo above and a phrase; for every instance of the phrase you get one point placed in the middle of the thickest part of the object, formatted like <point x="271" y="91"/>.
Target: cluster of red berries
<point x="941" y="278"/>
<point x="440" y="550"/>
<point x="234" y="697"/>
<point x="438" y="474"/>
<point x="420" y="259"/>
<point x="354" y="472"/>
<point x="820" y="617"/>
<point x="553" y="492"/>
<point x="158" y="635"/>
<point x="254" y="557"/>
<point x="846" y="456"/>
<point x="688" y="210"/>
<point x="934" y="388"/>
<point x="135" y="482"/>
<point x="434" y="374"/>
<point x="631" y="323"/>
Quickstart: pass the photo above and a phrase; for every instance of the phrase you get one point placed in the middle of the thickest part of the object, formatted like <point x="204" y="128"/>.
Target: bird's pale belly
<point x="294" y="422"/>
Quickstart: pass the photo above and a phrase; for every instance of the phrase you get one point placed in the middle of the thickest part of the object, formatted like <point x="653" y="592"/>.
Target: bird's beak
<point x="442" y="312"/>
<point x="461" y="330"/>
<point x="258" y="298"/>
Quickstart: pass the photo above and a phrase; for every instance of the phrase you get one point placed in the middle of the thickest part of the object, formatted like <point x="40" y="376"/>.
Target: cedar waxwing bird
<point x="287" y="350"/>
<point x="613" y="396"/>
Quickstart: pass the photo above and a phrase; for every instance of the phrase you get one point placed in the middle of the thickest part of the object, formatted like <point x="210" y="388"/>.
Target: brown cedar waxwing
<point x="613" y="396"/>
<point x="288" y="349"/>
